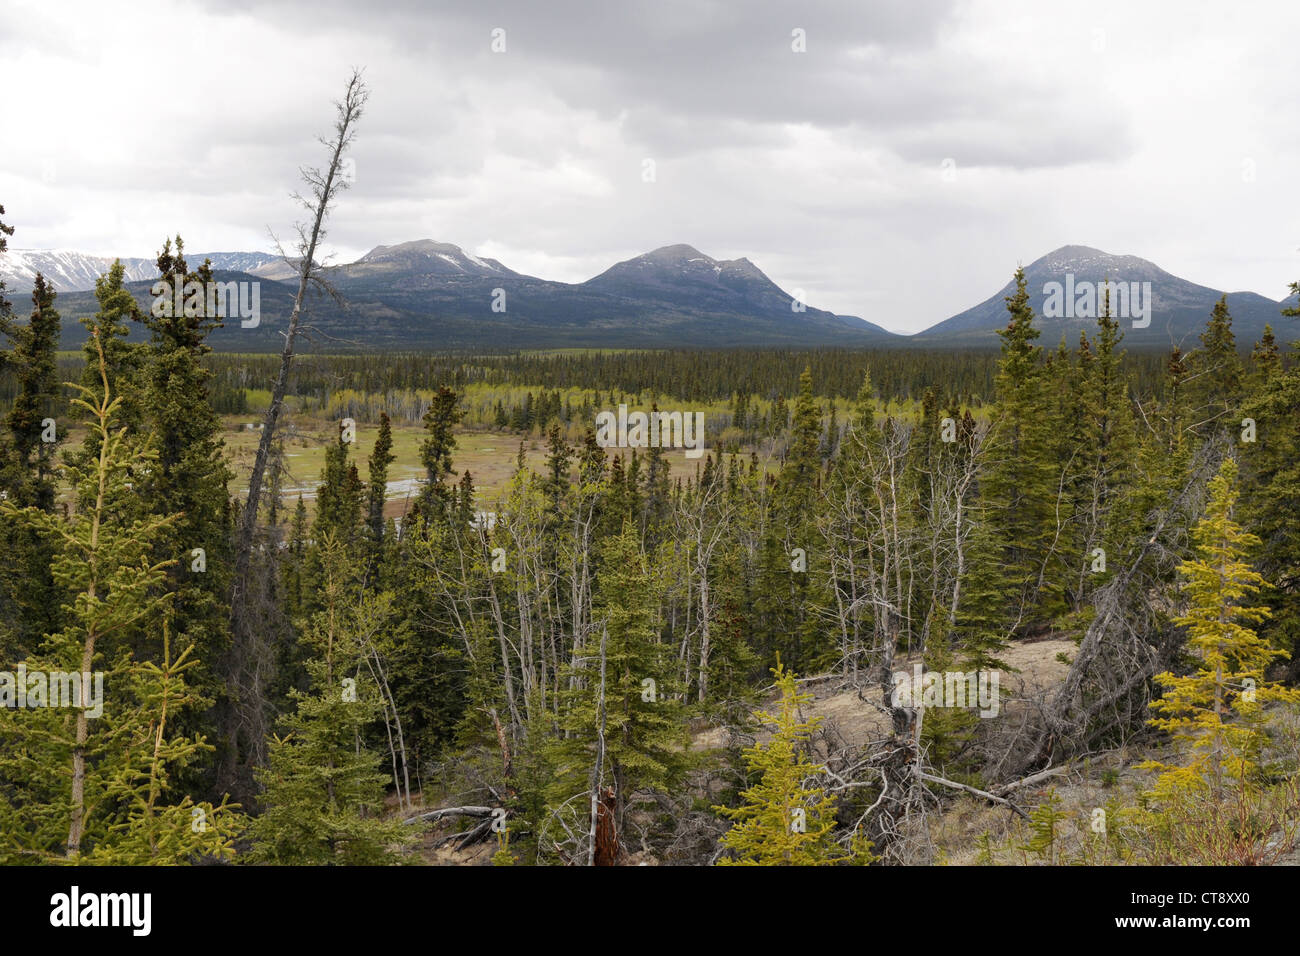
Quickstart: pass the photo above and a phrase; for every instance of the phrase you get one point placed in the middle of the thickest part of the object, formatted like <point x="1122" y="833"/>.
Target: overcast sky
<point x="898" y="169"/>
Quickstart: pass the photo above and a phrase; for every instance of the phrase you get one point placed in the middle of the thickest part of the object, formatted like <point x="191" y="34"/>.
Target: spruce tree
<point x="1265" y="359"/>
<point x="1271" y="500"/>
<point x="101" y="786"/>
<point x="190" y="476"/>
<point x="1217" y="374"/>
<point x="785" y="817"/>
<point x="1230" y="656"/>
<point x="443" y="415"/>
<point x="323" y="787"/>
<point x="380" y="458"/>
<point x="28" y="472"/>
<point x="638" y="727"/>
<point x="1017" y="495"/>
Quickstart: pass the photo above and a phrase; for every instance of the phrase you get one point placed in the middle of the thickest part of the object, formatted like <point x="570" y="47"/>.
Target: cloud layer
<point x="897" y="168"/>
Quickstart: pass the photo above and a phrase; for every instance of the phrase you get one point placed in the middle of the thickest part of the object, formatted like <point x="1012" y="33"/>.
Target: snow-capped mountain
<point x="424" y="257"/>
<point x="435" y="294"/>
<point x="70" y="271"/>
<point x="426" y="293"/>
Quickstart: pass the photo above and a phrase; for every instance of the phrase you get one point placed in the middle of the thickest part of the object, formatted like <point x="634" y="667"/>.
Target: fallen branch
<point x="1029" y="781"/>
<point x="979" y="793"/>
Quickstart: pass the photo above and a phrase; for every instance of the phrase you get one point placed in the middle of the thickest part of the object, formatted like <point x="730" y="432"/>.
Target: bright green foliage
<point x="100" y="787"/>
<point x="1044" y="822"/>
<point x="1230" y="656"/>
<point x="786" y="818"/>
<point x="149" y="831"/>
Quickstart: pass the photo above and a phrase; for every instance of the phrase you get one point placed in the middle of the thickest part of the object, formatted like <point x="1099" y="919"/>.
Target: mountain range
<point x="427" y="294"/>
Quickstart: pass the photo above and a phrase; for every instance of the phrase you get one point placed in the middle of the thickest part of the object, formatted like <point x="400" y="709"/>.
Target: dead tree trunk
<point x="244" y="718"/>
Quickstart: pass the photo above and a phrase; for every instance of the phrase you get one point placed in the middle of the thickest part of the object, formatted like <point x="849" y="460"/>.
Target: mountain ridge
<point x="427" y="293"/>
<point x="1178" y="307"/>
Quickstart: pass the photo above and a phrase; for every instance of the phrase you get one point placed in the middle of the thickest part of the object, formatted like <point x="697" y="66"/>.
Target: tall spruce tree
<point x="1271" y="497"/>
<point x="381" y="457"/>
<point x="636" y="728"/>
<point x="189" y="476"/>
<point x="28" y="473"/>
<point x="1017" y="495"/>
<point x="101" y="785"/>
<point x="1216" y="375"/>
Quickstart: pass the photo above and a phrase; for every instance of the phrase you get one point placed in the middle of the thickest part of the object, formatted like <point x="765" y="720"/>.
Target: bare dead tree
<point x="324" y="187"/>
<point x="246" y="668"/>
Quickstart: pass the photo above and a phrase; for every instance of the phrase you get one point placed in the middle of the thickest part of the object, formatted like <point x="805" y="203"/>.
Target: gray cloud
<point x="1100" y="123"/>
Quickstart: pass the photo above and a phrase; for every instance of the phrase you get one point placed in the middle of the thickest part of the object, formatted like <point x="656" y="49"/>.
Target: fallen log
<point x="930" y="778"/>
<point x="1029" y="781"/>
<point x="450" y="812"/>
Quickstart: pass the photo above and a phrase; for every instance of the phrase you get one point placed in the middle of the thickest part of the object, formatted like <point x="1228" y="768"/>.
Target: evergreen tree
<point x="27" y="470"/>
<point x="324" y="788"/>
<point x="1107" y="457"/>
<point x="1217" y="374"/>
<point x="637" y="727"/>
<point x="797" y="483"/>
<point x="97" y="785"/>
<point x="28" y="601"/>
<point x="435" y="454"/>
<point x="1271" y="499"/>
<point x="1265" y="359"/>
<point x="380" y="458"/>
<point x="1231" y="657"/>
<point x="1017" y="497"/>
<point x="189" y="476"/>
<point x="785" y="818"/>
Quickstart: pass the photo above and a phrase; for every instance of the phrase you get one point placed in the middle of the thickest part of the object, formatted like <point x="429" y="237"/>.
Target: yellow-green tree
<point x="1229" y="677"/>
<point x="785" y="819"/>
<point x="97" y="782"/>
